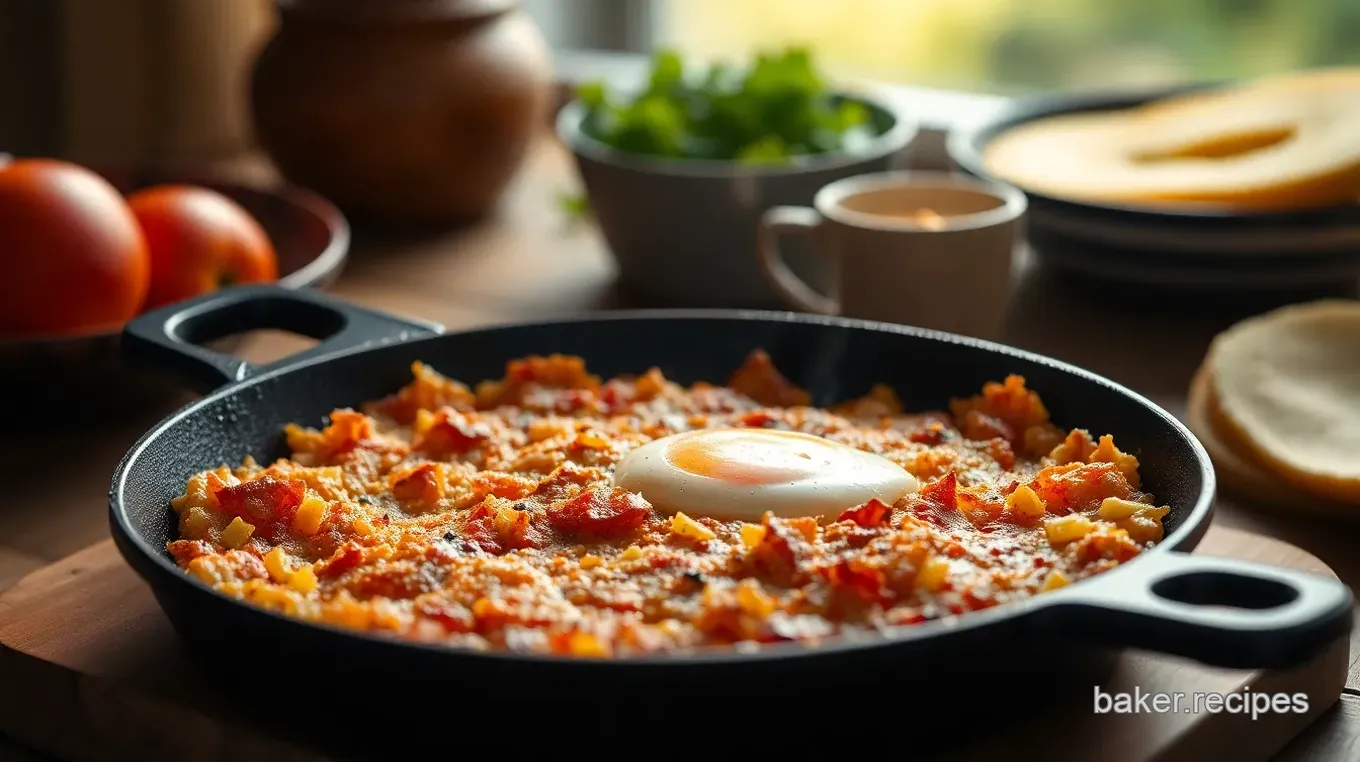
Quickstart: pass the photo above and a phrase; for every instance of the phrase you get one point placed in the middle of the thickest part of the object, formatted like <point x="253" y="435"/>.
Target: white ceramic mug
<point x="929" y="249"/>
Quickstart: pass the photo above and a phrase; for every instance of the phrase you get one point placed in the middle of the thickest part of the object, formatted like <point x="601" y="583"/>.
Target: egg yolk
<point x="767" y="457"/>
<point x="742" y="474"/>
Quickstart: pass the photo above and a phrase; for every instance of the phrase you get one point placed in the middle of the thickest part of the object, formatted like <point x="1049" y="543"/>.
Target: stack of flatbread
<point x="1277" y="143"/>
<point x="1277" y="405"/>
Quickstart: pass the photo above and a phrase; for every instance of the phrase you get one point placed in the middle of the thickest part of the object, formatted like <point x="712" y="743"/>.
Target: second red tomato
<point x="199" y="241"/>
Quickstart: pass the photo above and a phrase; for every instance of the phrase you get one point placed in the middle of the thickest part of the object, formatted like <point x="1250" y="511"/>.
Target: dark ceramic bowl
<point x="683" y="232"/>
<point x="79" y="375"/>
<point x="1187" y="248"/>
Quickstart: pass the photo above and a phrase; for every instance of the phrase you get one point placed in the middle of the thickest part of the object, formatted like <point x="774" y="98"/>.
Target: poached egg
<point x="739" y="474"/>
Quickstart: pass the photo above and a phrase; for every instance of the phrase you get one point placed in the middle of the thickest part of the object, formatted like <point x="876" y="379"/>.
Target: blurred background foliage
<point x="1017" y="46"/>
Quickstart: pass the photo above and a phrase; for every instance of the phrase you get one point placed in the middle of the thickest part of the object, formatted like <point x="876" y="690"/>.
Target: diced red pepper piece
<point x="942" y="493"/>
<point x="872" y="514"/>
<point x="758" y="419"/>
<point x="423" y="484"/>
<point x="344" y="559"/>
<point x="932" y="434"/>
<point x="937" y="502"/>
<point x="601" y="511"/>
<point x="479" y="530"/>
<point x="451" y="434"/>
<point x="265" y="502"/>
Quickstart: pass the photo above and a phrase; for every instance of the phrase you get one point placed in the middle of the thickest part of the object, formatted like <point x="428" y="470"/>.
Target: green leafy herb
<point x="773" y="110"/>
<point x="767" y="150"/>
<point x="576" y="206"/>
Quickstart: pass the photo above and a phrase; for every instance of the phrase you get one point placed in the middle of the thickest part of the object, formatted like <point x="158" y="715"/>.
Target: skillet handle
<point x="1221" y="612"/>
<point x="170" y="337"/>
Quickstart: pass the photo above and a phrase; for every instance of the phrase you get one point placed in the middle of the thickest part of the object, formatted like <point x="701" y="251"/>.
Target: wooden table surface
<point x="530" y="262"/>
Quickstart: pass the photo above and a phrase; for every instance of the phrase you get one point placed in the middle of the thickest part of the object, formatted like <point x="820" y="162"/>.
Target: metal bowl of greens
<point x="678" y="173"/>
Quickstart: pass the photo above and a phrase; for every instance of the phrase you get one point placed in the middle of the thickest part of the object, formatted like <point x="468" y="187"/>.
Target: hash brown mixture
<point x="485" y="517"/>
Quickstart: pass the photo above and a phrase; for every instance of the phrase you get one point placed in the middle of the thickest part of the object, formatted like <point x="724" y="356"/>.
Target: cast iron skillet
<point x="1165" y="600"/>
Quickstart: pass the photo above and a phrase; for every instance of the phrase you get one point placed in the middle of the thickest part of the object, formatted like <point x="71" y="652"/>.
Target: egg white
<point x="839" y="477"/>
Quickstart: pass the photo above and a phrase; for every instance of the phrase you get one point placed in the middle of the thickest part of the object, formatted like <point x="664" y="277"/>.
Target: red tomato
<point x="74" y="258"/>
<point x="199" y="240"/>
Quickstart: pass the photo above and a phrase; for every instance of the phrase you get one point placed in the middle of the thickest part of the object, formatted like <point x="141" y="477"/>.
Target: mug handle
<point x="789" y="220"/>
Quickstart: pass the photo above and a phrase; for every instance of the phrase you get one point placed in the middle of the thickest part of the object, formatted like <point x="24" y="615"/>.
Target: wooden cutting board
<point x="93" y="672"/>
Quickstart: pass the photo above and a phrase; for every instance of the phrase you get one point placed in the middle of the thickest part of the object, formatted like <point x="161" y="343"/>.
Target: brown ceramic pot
<point x="402" y="111"/>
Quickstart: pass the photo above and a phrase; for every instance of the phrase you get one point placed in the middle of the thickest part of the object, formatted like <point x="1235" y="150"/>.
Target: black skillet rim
<point x="150" y="563"/>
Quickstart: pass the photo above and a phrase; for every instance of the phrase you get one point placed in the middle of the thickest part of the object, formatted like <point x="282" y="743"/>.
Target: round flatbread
<point x="1235" y="470"/>
<point x="1241" y="473"/>
<point x="1283" y="142"/>
<point x="1287" y="386"/>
